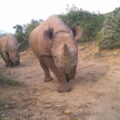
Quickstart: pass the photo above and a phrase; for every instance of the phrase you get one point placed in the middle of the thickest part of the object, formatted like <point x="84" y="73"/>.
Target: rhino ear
<point x="49" y="34"/>
<point x="76" y="32"/>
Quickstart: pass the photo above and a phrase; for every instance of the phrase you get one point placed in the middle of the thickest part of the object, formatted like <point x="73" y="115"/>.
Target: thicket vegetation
<point x="109" y="35"/>
<point x="95" y="26"/>
<point x="90" y="23"/>
<point x="22" y="32"/>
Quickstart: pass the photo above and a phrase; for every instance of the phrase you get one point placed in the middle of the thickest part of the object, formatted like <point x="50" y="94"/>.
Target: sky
<point x="21" y="12"/>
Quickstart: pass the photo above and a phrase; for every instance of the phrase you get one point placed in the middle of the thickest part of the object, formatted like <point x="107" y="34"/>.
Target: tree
<point x="19" y="34"/>
<point x="22" y="32"/>
<point x="29" y="27"/>
<point x="90" y="23"/>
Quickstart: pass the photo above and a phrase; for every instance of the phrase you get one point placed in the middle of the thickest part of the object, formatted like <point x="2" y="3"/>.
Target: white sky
<point x="14" y="12"/>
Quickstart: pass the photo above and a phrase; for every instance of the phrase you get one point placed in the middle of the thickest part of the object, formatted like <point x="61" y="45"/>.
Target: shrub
<point x="109" y="35"/>
<point x="90" y="23"/>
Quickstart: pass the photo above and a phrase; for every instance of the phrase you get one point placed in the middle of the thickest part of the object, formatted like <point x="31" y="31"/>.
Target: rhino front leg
<point x="63" y="84"/>
<point x="6" y="59"/>
<point x="47" y="78"/>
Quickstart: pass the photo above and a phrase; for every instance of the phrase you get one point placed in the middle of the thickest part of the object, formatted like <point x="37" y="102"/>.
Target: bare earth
<point x="95" y="95"/>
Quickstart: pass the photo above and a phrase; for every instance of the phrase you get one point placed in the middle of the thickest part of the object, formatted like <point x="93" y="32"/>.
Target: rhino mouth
<point x="10" y="62"/>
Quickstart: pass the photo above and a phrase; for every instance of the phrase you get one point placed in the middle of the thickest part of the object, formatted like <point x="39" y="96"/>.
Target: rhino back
<point x="57" y="24"/>
<point x="8" y="42"/>
<point x="37" y="41"/>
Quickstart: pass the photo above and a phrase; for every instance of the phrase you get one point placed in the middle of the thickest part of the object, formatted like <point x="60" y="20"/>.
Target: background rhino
<point x="55" y="46"/>
<point x="9" y="50"/>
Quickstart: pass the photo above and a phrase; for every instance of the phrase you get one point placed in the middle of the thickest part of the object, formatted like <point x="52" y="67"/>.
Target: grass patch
<point x="6" y="81"/>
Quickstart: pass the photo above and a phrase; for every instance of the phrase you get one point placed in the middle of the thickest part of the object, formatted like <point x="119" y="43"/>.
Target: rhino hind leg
<point x="47" y="78"/>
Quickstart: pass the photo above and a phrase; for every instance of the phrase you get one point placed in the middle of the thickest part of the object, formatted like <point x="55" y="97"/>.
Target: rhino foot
<point x="8" y="65"/>
<point x="48" y="79"/>
<point x="64" y="88"/>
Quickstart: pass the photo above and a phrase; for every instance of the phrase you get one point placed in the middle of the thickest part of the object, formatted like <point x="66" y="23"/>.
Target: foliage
<point x="90" y="23"/>
<point x="95" y="26"/>
<point x="22" y="32"/>
<point x="29" y="27"/>
<point x="109" y="35"/>
<point x="19" y="34"/>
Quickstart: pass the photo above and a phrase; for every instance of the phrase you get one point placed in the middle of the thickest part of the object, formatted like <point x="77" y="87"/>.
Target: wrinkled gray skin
<point x="9" y="50"/>
<point x="55" y="46"/>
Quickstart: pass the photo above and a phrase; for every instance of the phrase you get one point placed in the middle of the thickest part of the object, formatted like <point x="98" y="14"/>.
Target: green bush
<point x="90" y="23"/>
<point x="109" y="36"/>
<point x="22" y="32"/>
<point x="105" y="28"/>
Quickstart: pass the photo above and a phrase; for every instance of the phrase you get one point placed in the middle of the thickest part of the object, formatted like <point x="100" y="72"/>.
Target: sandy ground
<point x="96" y="93"/>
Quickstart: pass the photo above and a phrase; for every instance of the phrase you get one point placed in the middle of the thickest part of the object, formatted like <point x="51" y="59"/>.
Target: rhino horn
<point x="66" y="53"/>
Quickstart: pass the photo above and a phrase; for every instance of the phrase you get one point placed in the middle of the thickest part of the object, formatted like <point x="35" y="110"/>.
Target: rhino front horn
<point x="66" y="53"/>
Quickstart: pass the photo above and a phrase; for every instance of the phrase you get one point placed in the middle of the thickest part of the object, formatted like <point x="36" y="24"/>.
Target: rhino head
<point x="13" y="56"/>
<point x="64" y="48"/>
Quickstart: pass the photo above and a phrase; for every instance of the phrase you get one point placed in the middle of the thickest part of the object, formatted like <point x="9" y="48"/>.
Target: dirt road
<point x="96" y="93"/>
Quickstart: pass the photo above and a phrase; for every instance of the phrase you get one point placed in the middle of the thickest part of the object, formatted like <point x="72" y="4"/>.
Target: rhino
<point x="9" y="50"/>
<point x="55" y="46"/>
